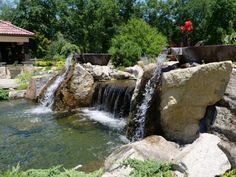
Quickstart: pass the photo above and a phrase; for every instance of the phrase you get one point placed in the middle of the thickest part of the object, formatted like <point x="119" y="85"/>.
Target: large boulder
<point x="8" y="83"/>
<point x="185" y="95"/>
<point x="36" y="84"/>
<point x="203" y="157"/>
<point x="220" y="119"/>
<point x="76" y="90"/>
<point x="4" y="73"/>
<point x="153" y="147"/>
<point x="98" y="72"/>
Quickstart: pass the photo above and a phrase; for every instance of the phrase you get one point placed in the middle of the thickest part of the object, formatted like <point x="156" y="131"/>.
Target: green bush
<point x="149" y="168"/>
<point x="43" y="63"/>
<point x="4" y="94"/>
<point x="23" y="80"/>
<point x="231" y="173"/>
<point x="136" y="39"/>
<point x="51" y="172"/>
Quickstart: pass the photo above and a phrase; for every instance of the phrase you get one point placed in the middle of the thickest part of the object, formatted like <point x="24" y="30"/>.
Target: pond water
<point x="48" y="139"/>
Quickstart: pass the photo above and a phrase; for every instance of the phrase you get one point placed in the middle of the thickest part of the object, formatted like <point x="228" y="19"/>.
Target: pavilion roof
<point x="8" y="29"/>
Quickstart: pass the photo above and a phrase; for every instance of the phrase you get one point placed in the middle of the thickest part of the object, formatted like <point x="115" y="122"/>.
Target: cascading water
<point x="113" y="98"/>
<point x="150" y="88"/>
<point x="48" y="98"/>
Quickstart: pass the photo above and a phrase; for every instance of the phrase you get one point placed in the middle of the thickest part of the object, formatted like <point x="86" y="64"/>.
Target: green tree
<point x="222" y="20"/>
<point x="136" y="39"/>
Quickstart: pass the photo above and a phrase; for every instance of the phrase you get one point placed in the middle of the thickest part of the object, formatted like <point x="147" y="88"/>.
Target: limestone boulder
<point x="153" y="147"/>
<point x="76" y="90"/>
<point x="136" y="71"/>
<point x="4" y="73"/>
<point x="203" y="157"/>
<point x="220" y="119"/>
<point x="185" y="95"/>
<point x="36" y="84"/>
<point x="16" y="94"/>
<point x="121" y="75"/>
<point x="8" y="83"/>
<point x="98" y="72"/>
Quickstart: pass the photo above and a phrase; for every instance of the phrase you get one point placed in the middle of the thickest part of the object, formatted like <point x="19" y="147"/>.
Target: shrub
<point x="4" y="94"/>
<point x="23" y="80"/>
<point x="51" y="172"/>
<point x="136" y="39"/>
<point x="43" y="63"/>
<point x="149" y="168"/>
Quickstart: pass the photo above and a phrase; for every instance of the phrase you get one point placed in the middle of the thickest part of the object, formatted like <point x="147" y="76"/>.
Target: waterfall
<point x="48" y="97"/>
<point x="150" y="88"/>
<point x="113" y="98"/>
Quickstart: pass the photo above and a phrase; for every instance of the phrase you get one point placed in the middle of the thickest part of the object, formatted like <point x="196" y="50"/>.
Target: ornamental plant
<point x="187" y="28"/>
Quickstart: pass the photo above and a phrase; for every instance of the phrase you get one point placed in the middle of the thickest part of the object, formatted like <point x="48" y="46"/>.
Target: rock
<point x="136" y="101"/>
<point x="204" y="158"/>
<point x="76" y="90"/>
<point x="230" y="93"/>
<point x="220" y="120"/>
<point x="8" y="83"/>
<point x="4" y="73"/>
<point x="121" y="75"/>
<point x="98" y="72"/>
<point x="36" y="85"/>
<point x="186" y="93"/>
<point x="16" y="94"/>
<point x="153" y="147"/>
<point x="136" y="70"/>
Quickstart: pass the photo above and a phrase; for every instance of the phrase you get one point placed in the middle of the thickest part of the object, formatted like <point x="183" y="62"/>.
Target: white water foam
<point x="48" y="98"/>
<point x="150" y="88"/>
<point x="39" y="110"/>
<point x="104" y="118"/>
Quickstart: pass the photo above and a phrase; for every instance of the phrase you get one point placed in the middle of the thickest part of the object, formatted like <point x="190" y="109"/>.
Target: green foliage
<point x="23" y="80"/>
<point x="60" y="63"/>
<point x="134" y="40"/>
<point x="230" y="39"/>
<point x="51" y="172"/>
<point x="42" y="45"/>
<point x="43" y="63"/>
<point x="149" y="168"/>
<point x="61" y="48"/>
<point x="4" y="94"/>
<point x="231" y="173"/>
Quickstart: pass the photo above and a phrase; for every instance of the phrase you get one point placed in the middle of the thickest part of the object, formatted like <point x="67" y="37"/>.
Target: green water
<point x="45" y="140"/>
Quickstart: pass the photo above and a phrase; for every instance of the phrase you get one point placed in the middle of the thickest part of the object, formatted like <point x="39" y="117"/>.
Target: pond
<point x="41" y="140"/>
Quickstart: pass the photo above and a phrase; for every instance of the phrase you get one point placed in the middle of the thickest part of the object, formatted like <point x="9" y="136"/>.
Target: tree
<point x="136" y="39"/>
<point x="222" y="20"/>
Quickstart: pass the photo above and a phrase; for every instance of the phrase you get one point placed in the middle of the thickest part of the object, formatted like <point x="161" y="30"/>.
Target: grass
<point x="23" y="80"/>
<point x="51" y="172"/>
<point x="231" y="173"/>
<point x="4" y="94"/>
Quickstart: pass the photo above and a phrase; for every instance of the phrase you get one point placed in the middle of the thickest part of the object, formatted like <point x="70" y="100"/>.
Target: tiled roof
<point x="6" y="28"/>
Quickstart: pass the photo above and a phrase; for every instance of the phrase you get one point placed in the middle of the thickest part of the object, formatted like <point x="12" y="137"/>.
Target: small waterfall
<point x="113" y="98"/>
<point x="150" y="88"/>
<point x="48" y="97"/>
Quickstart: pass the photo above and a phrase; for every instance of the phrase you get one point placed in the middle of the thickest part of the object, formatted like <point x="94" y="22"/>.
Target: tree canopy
<point x="91" y="24"/>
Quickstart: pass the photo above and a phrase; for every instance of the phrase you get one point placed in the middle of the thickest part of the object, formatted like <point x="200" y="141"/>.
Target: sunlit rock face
<point x="76" y="90"/>
<point x="185" y="95"/>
